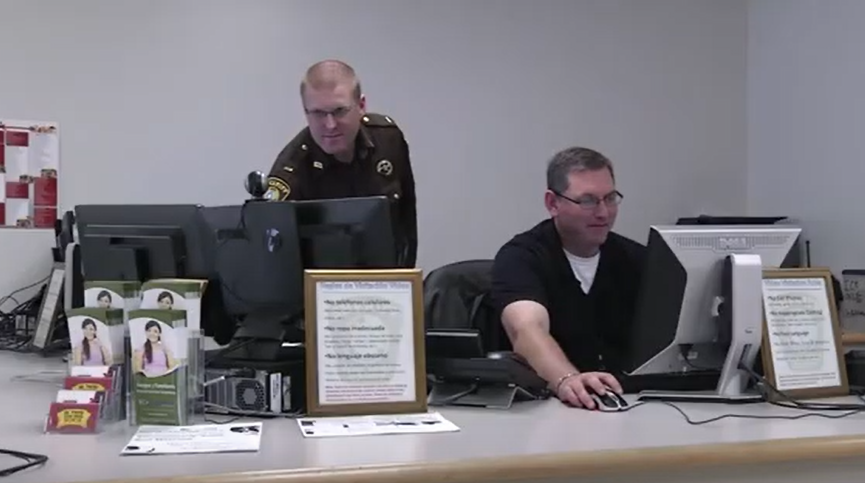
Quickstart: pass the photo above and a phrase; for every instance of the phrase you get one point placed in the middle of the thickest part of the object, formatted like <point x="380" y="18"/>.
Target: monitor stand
<point x="746" y="337"/>
<point x="260" y="337"/>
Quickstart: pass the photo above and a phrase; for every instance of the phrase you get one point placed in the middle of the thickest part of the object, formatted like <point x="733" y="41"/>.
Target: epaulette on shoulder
<point x="299" y="146"/>
<point x="378" y="120"/>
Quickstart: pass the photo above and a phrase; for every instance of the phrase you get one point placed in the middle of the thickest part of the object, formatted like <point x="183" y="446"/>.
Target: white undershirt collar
<point x="584" y="268"/>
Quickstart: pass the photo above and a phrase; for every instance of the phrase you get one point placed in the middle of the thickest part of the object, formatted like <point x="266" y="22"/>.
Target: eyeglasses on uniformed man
<point x="336" y="113"/>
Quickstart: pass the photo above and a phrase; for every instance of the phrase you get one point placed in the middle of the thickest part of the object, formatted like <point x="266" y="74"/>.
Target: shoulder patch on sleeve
<point x="378" y="120"/>
<point x="277" y="189"/>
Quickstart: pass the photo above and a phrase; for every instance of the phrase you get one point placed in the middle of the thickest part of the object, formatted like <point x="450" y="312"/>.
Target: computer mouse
<point x="609" y="401"/>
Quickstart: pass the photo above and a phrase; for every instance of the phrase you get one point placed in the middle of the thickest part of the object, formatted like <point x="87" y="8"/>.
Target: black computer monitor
<point x="259" y="251"/>
<point x="347" y="233"/>
<point x="139" y="242"/>
<point x="255" y="254"/>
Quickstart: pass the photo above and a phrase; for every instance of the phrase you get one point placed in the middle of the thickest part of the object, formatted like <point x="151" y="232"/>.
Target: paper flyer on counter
<point x="205" y="438"/>
<point x="372" y="425"/>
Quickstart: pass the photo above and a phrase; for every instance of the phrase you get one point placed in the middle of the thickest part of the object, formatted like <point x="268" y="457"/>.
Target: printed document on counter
<point x="432" y="422"/>
<point x="205" y="438"/>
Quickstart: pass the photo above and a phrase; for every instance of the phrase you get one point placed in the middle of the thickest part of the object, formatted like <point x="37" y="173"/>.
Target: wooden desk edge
<point x="561" y="465"/>
<point x="852" y="338"/>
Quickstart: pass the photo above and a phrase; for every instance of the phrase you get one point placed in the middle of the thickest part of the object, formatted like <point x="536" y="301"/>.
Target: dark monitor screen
<point x="257" y="275"/>
<point x="346" y="233"/>
<point x="255" y="255"/>
<point x="139" y="242"/>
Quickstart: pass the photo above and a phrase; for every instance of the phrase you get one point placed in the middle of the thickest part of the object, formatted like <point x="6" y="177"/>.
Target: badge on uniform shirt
<point x="277" y="189"/>
<point x="384" y="167"/>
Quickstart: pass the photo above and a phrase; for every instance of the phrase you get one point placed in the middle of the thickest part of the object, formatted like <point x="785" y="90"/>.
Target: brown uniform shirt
<point x="381" y="166"/>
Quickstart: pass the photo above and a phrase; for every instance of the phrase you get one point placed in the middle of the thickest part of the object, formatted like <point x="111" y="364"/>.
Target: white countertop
<point x="529" y="429"/>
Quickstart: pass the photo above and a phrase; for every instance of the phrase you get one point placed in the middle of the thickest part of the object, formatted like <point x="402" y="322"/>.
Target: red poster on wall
<point x="29" y="173"/>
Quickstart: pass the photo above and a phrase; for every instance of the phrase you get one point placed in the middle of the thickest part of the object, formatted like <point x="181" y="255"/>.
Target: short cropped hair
<point x="327" y="74"/>
<point x="571" y="160"/>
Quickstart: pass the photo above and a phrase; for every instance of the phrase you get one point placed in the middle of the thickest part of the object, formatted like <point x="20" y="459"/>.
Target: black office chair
<point x="457" y="296"/>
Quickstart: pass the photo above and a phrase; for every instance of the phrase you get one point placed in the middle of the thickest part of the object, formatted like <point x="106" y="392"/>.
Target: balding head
<point x="328" y="75"/>
<point x="334" y="106"/>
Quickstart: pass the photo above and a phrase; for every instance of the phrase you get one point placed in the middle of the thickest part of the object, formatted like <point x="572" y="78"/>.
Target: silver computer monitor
<point x="695" y="282"/>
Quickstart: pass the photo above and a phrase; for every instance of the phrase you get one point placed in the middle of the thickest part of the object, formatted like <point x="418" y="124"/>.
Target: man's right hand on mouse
<point x="575" y="389"/>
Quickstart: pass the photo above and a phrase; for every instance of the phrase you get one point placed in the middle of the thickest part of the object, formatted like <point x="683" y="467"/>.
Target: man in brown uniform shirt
<point x="347" y="152"/>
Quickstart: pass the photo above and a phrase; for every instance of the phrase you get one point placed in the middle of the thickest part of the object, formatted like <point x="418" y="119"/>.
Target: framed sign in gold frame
<point x="802" y="351"/>
<point x="364" y="342"/>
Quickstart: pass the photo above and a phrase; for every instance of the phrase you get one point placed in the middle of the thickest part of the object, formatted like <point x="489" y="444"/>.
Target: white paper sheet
<point x="44" y="153"/>
<point x="799" y="326"/>
<point x="372" y="425"/>
<point x="365" y="346"/>
<point x="205" y="438"/>
<point x="16" y="162"/>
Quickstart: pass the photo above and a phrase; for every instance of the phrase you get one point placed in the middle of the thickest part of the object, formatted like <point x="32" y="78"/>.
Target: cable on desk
<point x="31" y="460"/>
<point x="789" y="417"/>
<point x="11" y="296"/>
<point x="239" y="413"/>
<point x="700" y="422"/>
<point x="766" y="387"/>
<point x="13" y="337"/>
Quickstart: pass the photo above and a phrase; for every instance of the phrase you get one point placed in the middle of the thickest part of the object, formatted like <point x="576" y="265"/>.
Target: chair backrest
<point x="457" y="296"/>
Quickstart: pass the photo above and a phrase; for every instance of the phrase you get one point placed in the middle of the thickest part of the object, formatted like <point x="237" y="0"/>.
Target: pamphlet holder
<point x="190" y="383"/>
<point x="196" y="376"/>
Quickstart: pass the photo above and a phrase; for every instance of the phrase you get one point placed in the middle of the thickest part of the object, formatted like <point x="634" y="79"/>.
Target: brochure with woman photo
<point x="184" y="295"/>
<point x="175" y="294"/>
<point x="96" y="336"/>
<point x="159" y="368"/>
<point x="124" y="295"/>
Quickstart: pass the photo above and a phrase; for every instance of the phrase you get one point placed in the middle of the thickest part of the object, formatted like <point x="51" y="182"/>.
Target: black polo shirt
<point x="592" y="329"/>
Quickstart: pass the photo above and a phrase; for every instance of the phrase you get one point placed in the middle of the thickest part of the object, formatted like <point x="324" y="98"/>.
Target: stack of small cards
<point x="90" y="396"/>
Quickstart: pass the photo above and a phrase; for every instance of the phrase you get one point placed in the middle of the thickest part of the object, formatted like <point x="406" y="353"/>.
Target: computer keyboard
<point x="679" y="381"/>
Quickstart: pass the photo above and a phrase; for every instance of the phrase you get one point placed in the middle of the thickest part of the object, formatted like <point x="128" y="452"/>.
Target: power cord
<point x="684" y="350"/>
<point x="701" y="422"/>
<point x="31" y="461"/>
<point x="13" y="337"/>
<point x="11" y="296"/>
<point x="765" y="387"/>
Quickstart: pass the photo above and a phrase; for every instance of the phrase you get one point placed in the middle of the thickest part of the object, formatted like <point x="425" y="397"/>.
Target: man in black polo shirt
<point x="567" y="287"/>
